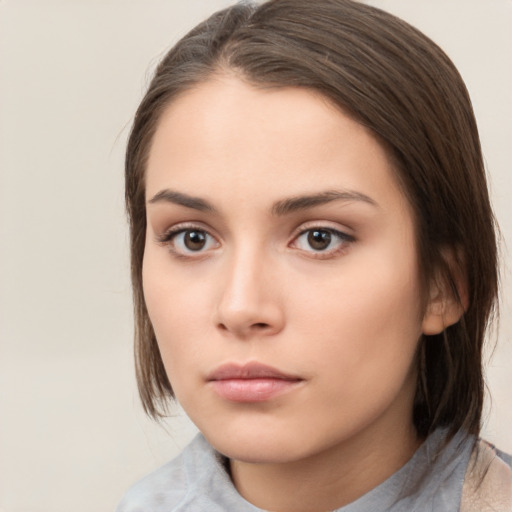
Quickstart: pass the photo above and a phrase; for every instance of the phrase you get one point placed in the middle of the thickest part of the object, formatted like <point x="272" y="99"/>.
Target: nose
<point x="250" y="300"/>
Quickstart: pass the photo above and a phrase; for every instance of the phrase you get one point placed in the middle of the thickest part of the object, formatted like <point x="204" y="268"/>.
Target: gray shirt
<point x="197" y="481"/>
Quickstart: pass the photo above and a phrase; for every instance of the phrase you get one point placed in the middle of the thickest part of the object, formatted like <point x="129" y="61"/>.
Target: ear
<point x="448" y="297"/>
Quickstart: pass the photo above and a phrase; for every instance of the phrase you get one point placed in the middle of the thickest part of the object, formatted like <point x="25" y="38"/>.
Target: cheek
<point x="367" y="322"/>
<point x="362" y="347"/>
<point x="178" y="312"/>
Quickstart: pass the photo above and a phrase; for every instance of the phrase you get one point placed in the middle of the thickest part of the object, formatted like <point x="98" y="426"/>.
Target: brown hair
<point x="394" y="80"/>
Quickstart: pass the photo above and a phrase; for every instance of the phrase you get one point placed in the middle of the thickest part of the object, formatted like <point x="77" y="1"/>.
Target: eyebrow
<point x="293" y="204"/>
<point x="280" y="208"/>
<point x="171" y="196"/>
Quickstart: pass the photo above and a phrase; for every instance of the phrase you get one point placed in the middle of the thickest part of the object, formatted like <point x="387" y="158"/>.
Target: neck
<point x="329" y="479"/>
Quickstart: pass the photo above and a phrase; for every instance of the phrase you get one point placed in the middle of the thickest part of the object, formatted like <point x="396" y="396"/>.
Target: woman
<point x="314" y="266"/>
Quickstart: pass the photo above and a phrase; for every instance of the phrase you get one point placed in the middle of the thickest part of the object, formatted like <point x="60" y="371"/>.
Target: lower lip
<point x="253" y="390"/>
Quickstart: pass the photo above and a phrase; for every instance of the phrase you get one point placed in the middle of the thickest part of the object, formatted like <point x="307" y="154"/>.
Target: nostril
<point x="256" y="326"/>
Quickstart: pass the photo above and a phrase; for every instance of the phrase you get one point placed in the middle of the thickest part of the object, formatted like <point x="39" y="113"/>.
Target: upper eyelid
<point x="183" y="226"/>
<point x="323" y="225"/>
<point x="337" y="232"/>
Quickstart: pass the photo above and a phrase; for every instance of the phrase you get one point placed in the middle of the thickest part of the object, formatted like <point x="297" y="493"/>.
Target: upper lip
<point x="253" y="370"/>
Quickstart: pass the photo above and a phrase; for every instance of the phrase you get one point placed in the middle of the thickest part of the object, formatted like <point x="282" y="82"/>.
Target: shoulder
<point x="488" y="481"/>
<point x="164" y="489"/>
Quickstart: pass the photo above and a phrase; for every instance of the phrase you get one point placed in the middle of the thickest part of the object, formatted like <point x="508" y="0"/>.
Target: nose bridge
<point x="249" y="296"/>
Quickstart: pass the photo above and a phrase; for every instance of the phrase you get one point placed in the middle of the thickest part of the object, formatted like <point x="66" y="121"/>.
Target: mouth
<point x="252" y="382"/>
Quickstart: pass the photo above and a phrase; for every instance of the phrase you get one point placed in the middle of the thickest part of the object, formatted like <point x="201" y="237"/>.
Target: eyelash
<point x="169" y="239"/>
<point x="343" y="240"/>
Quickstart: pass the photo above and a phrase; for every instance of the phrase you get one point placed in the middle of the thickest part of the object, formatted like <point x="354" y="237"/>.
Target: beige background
<point x="72" y="435"/>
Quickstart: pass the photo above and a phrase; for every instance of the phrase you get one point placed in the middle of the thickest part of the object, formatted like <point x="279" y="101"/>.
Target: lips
<point x="252" y="382"/>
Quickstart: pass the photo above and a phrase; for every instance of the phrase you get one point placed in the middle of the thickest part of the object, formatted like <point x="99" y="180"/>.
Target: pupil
<point x="195" y="240"/>
<point x="319" y="239"/>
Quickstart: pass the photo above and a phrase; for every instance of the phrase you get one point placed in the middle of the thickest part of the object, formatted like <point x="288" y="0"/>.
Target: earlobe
<point x="441" y="314"/>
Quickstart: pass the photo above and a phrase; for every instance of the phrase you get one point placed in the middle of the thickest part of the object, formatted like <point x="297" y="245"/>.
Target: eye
<point x="322" y="240"/>
<point x="186" y="241"/>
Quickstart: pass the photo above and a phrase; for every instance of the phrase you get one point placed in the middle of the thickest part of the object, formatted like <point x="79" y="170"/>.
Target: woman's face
<point x="280" y="272"/>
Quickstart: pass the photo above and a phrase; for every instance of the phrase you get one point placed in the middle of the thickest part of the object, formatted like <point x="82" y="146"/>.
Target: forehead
<point x="227" y="136"/>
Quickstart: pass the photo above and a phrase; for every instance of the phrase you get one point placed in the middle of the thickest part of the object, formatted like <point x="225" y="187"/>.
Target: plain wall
<point x="72" y="433"/>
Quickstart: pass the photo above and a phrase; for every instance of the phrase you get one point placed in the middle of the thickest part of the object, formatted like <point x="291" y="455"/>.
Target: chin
<point x="257" y="447"/>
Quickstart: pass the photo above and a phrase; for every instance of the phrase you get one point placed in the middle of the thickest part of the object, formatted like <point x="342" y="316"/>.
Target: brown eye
<point x="187" y="241"/>
<point x="319" y="239"/>
<point x="322" y="242"/>
<point x="194" y="240"/>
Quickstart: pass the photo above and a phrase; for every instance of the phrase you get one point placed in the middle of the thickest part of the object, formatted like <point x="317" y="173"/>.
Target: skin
<point x="344" y="320"/>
